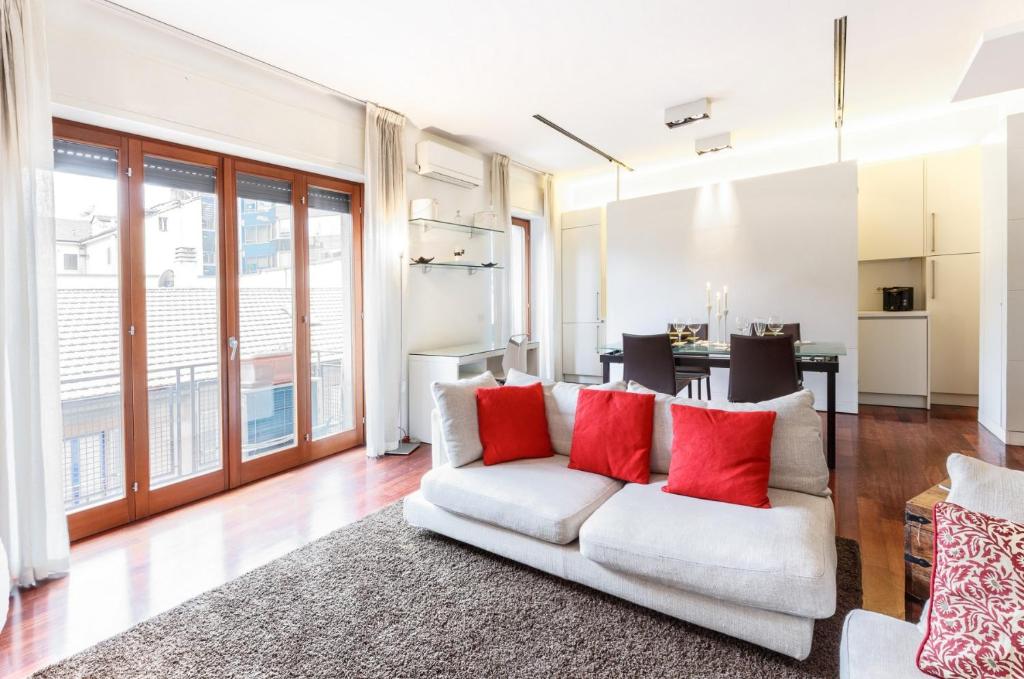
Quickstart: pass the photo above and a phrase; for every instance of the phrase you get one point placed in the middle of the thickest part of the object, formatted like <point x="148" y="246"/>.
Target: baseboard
<point x="970" y="400"/>
<point x="581" y="379"/>
<point x="896" y="400"/>
<point x="1015" y="438"/>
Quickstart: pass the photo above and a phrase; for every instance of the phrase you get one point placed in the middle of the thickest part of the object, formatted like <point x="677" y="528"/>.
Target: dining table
<point x="811" y="356"/>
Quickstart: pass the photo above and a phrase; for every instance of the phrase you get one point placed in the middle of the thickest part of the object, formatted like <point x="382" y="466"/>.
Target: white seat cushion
<point x="781" y="559"/>
<point x="876" y="646"/>
<point x="541" y="497"/>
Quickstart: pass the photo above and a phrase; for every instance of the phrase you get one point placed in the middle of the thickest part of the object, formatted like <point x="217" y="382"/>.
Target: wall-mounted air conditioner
<point x="446" y="164"/>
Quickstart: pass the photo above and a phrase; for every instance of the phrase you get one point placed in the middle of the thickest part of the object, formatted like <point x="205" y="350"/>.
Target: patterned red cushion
<point x="976" y="617"/>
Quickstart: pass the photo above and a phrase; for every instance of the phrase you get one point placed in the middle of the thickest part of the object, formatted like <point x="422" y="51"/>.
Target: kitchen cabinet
<point x="953" y="202"/>
<point x="893" y="353"/>
<point x="954" y="292"/>
<point x="890" y="209"/>
<point x="581" y="274"/>
<point x="582" y="315"/>
<point x="580" y="345"/>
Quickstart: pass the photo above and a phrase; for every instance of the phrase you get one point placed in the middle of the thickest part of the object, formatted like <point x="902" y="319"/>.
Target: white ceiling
<point x="606" y="69"/>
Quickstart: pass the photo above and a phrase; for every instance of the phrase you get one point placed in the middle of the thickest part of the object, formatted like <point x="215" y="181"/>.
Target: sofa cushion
<point x="661" y="442"/>
<point x="986" y="488"/>
<point x="612" y="434"/>
<point x="781" y="559"/>
<point x="560" y="405"/>
<point x="975" y="625"/>
<point x="798" y="458"/>
<point x="456" y="402"/>
<point x="513" y="425"/>
<point x="875" y="646"/>
<point x="541" y="497"/>
<point x="721" y="456"/>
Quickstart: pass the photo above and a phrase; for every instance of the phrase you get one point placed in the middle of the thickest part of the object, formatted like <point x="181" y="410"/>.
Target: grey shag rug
<point x="382" y="599"/>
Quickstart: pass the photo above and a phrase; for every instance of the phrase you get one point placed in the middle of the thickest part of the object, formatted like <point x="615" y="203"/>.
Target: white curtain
<point x="33" y="527"/>
<point x="502" y="202"/>
<point x="547" y="319"/>
<point x="385" y="235"/>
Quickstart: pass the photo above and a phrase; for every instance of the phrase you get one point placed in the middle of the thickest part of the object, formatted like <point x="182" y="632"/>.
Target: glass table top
<point x="806" y="349"/>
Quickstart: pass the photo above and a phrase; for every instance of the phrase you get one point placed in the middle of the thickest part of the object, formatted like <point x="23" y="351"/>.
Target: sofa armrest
<point x="438" y="450"/>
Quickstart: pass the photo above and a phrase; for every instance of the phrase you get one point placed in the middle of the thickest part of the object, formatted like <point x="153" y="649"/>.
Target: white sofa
<point x="876" y="646"/>
<point x="760" y="575"/>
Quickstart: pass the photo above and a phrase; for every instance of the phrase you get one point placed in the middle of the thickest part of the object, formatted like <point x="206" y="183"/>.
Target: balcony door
<point x="179" y="329"/>
<point x="209" y="322"/>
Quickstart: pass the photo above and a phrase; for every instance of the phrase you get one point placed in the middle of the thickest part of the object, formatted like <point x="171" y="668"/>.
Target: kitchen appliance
<point x="898" y="299"/>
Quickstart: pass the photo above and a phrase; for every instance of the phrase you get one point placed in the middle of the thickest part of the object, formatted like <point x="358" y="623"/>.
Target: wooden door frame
<point x="153" y="501"/>
<point x="134" y="505"/>
<point x="330" y="445"/>
<point x="526" y="225"/>
<point x="91" y="520"/>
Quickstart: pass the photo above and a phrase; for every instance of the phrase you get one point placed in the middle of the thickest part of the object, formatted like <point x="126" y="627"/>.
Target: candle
<point x="709" y="293"/>
<point x="725" y="298"/>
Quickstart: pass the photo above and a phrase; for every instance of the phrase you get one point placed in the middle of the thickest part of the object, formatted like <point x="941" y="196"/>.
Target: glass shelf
<point x="428" y="224"/>
<point x="470" y="268"/>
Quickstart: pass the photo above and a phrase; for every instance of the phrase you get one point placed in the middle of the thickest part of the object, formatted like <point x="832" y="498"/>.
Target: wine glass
<point x="775" y="324"/>
<point x="693" y="324"/>
<point x="759" y="327"/>
<point x="742" y="325"/>
<point x="677" y="326"/>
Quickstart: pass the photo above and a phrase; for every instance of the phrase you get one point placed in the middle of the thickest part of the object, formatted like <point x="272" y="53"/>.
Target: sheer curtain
<point x="501" y="199"/>
<point x="548" y="317"/>
<point x="385" y="235"/>
<point x="33" y="527"/>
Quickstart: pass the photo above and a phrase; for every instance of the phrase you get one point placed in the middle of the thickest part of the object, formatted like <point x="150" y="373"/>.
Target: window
<point x="71" y="262"/>
<point x="162" y="224"/>
<point x="519" y="276"/>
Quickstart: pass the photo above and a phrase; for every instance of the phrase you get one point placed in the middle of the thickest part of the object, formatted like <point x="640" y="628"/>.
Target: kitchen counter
<point x="892" y="314"/>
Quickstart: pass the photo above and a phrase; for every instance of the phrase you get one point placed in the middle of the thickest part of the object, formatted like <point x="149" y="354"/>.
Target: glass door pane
<point x="88" y="235"/>
<point x="182" y="320"/>
<point x="331" y="312"/>
<point x="266" y="310"/>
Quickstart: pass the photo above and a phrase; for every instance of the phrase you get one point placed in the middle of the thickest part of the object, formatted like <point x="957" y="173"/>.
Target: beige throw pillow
<point x="456" y="403"/>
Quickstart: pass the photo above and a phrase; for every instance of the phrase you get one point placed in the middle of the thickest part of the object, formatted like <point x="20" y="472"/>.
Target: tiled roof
<point x="182" y="332"/>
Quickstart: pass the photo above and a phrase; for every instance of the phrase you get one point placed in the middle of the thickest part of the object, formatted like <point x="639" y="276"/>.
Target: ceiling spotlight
<point x="718" y="142"/>
<point x="684" y="114"/>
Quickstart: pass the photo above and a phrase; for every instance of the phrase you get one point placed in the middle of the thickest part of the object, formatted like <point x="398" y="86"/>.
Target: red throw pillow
<point x="721" y="455"/>
<point x="612" y="434"/>
<point x="513" y="425"/>
<point x="975" y="628"/>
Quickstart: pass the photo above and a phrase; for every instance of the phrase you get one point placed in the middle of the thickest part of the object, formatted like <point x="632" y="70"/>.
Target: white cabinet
<point x="582" y="316"/>
<point x="893" y="354"/>
<point x="953" y="202"/>
<point x="580" y="344"/>
<point x="954" y="294"/>
<point x="890" y="209"/>
<point x="581" y="274"/>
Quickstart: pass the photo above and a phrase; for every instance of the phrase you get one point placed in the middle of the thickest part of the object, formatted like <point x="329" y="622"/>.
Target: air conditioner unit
<point x="446" y="164"/>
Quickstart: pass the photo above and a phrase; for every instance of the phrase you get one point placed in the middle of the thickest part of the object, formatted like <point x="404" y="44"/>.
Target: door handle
<point x="933" y="232"/>
<point x="597" y="305"/>
<point x="932" y="291"/>
<point x="233" y="345"/>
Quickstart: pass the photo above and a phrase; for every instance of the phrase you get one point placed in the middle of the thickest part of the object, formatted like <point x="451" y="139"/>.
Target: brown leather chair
<point x="694" y="372"/>
<point x="648" y="360"/>
<point x="793" y="330"/>
<point x="762" y="368"/>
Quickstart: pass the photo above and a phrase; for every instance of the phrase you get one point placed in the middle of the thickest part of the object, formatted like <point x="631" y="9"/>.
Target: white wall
<point x="992" y="321"/>
<point x="783" y="243"/>
<point x="110" y="67"/>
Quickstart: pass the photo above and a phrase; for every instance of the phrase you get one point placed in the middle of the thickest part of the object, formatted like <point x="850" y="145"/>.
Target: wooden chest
<point x="918" y="547"/>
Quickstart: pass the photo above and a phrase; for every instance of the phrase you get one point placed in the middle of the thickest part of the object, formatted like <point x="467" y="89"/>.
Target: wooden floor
<point x="885" y="456"/>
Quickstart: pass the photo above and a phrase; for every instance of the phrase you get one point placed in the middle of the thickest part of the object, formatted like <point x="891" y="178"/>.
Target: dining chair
<point x="762" y="368"/>
<point x="793" y="330"/>
<point x="697" y="373"/>
<point x="648" y="360"/>
<point x="514" y="357"/>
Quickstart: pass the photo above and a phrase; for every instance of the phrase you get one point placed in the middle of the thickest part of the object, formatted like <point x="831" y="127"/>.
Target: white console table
<point x="447" y="364"/>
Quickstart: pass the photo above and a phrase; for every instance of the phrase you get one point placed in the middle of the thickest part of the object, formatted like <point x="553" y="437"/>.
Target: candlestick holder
<point x="724" y="333"/>
<point x="708" y="326"/>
